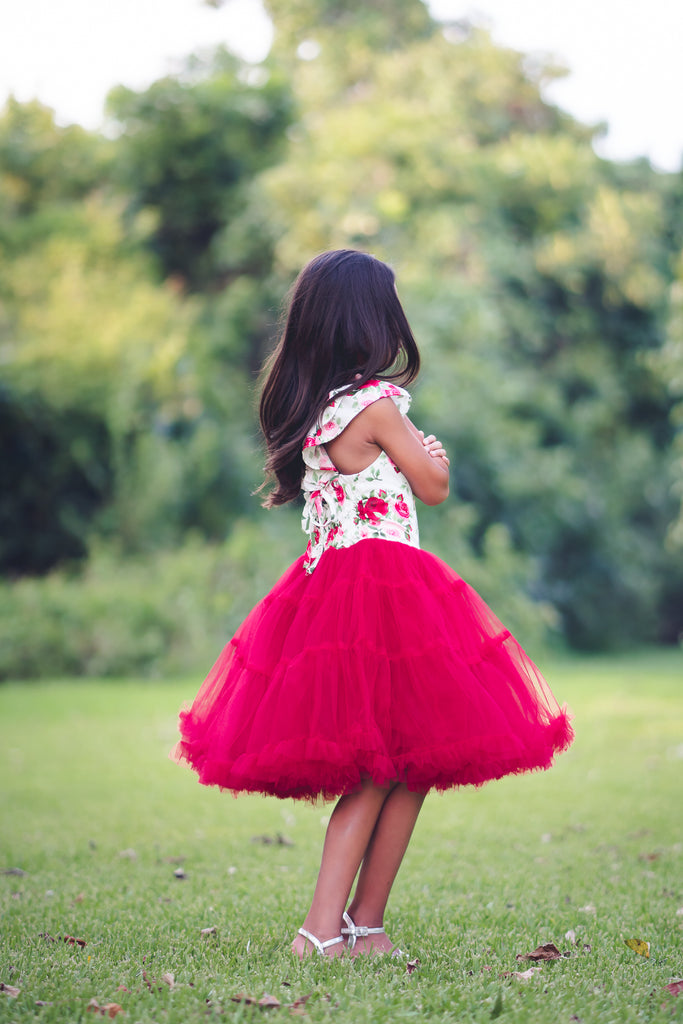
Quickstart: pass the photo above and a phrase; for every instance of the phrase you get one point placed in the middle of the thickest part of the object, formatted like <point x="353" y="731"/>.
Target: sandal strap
<point x="357" y="931"/>
<point x="319" y="946"/>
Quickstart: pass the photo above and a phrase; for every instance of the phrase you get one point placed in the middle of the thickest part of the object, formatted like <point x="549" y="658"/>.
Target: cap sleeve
<point x="342" y="409"/>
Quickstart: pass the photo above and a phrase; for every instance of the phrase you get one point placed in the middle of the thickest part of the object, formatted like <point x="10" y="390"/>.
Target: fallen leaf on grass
<point x="73" y="941"/>
<point x="11" y="991"/>
<point x="106" y="1010"/>
<point x="168" y="979"/>
<point x="111" y="1009"/>
<point x="301" y="1001"/>
<point x="206" y="932"/>
<point x="638" y="946"/>
<point x="14" y="871"/>
<point x="547" y="952"/>
<point x="179" y="873"/>
<point x="122" y="988"/>
<point x="675" y="988"/>
<point x="570" y="936"/>
<point x="79" y="898"/>
<point x="267" y="1002"/>
<point x="522" y="975"/>
<point x="412" y="965"/>
<point x="649" y="856"/>
<point x="42" y="1002"/>
<point x="47" y="937"/>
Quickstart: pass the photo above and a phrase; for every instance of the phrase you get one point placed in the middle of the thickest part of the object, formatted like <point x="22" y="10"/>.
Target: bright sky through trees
<point x="624" y="58"/>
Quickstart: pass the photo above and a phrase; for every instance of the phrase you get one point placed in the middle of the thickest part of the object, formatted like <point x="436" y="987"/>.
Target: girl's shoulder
<point x="342" y="408"/>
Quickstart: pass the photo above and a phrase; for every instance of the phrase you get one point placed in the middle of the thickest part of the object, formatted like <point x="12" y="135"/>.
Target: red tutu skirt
<point x="383" y="663"/>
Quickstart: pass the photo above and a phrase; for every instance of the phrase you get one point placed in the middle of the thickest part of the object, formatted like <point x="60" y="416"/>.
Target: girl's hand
<point x="434" y="447"/>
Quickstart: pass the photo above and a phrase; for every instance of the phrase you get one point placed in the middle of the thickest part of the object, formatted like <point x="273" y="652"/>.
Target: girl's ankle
<point x="366" y="918"/>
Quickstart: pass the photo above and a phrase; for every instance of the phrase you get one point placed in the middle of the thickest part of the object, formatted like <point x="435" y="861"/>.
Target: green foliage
<point x="376" y="24"/>
<point x="42" y="164"/>
<point x="154" y="615"/>
<point x="116" y="388"/>
<point x="189" y="146"/>
<point x="141" y="278"/>
<point x="55" y="478"/>
<point x="171" y="610"/>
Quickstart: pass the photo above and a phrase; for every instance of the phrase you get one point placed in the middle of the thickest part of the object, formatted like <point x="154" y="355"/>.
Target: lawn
<point x="101" y="824"/>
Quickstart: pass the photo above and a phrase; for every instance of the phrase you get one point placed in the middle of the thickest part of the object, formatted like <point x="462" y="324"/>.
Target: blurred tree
<point x="55" y="476"/>
<point x="376" y="24"/>
<point x="42" y="164"/>
<point x="538" y="279"/>
<point x="668" y="364"/>
<point x="189" y="147"/>
<point x="92" y="349"/>
<point x="116" y="389"/>
<point x="536" y="276"/>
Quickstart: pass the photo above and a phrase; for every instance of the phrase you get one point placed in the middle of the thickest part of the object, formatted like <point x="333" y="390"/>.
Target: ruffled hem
<point x="317" y="769"/>
<point x="383" y="664"/>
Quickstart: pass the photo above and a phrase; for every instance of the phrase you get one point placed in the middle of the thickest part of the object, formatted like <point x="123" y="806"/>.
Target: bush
<point x="171" y="612"/>
<point x="166" y="613"/>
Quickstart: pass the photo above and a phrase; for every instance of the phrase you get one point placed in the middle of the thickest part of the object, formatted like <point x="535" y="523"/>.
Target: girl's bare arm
<point x="430" y="442"/>
<point x="422" y="460"/>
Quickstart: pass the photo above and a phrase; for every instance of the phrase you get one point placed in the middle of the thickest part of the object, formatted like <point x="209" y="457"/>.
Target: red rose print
<point x="372" y="509"/>
<point x="330" y="425"/>
<point x="338" y="491"/>
<point x="401" y="507"/>
<point x="309" y="442"/>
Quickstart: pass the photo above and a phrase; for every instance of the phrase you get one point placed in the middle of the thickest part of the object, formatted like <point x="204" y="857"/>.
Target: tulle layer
<point x="383" y="663"/>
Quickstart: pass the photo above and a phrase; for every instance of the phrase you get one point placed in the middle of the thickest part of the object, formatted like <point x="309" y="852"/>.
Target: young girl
<point x="370" y="672"/>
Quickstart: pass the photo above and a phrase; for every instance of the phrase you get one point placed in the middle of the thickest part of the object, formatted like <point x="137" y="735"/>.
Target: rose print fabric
<point x="341" y="509"/>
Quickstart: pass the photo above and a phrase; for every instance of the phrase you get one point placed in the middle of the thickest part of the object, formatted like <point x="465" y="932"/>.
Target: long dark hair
<point x="345" y="319"/>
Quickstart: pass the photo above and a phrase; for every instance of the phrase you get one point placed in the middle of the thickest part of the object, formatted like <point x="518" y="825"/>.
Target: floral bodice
<point x="343" y="508"/>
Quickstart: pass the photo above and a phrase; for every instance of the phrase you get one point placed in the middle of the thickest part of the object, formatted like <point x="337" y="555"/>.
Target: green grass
<point x="595" y="846"/>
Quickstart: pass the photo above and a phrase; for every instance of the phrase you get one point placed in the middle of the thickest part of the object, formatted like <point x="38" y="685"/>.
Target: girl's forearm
<point x="431" y="444"/>
<point x="411" y="426"/>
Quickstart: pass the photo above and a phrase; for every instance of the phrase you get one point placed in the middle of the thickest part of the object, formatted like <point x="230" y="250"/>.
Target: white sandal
<point x="319" y="946"/>
<point x="357" y="931"/>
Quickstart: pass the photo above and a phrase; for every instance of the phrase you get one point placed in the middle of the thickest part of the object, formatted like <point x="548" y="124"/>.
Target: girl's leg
<point x="346" y="841"/>
<point x="382" y="860"/>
